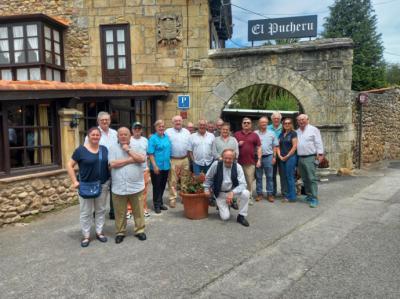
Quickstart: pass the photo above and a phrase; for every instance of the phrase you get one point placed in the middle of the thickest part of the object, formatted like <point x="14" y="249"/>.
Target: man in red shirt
<point x="249" y="146"/>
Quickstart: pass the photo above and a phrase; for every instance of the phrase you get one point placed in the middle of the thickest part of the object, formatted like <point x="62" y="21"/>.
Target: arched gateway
<point x="318" y="73"/>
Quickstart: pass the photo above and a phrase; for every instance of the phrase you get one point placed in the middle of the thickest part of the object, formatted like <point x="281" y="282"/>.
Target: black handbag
<point x="91" y="189"/>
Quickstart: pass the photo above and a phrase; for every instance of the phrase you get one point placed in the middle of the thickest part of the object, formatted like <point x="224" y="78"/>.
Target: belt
<point x="225" y="191"/>
<point x="180" y="158"/>
<point x="306" y="156"/>
<point x="264" y="156"/>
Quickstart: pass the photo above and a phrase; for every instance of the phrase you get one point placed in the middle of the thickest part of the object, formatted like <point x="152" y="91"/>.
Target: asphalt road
<point x="346" y="248"/>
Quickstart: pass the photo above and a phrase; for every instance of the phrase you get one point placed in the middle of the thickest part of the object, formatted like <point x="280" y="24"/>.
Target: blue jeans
<point x="197" y="169"/>
<point x="267" y="167"/>
<point x="289" y="170"/>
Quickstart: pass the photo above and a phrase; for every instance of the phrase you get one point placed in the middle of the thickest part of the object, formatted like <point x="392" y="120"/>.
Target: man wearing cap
<point x="138" y="141"/>
<point x="179" y="138"/>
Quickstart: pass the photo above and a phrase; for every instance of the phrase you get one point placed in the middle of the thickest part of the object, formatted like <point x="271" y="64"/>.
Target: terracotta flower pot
<point x="195" y="206"/>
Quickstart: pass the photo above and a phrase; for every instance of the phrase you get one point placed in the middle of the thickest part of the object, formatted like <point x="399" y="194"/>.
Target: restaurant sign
<point x="281" y="28"/>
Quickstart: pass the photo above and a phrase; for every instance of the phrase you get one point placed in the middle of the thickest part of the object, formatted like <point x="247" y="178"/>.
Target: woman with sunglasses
<point x="288" y="156"/>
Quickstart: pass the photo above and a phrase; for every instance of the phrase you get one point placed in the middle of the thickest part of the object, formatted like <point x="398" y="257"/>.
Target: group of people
<point x="124" y="160"/>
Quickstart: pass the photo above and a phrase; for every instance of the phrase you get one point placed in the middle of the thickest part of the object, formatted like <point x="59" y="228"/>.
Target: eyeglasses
<point x="246" y="122"/>
<point x="287" y="123"/>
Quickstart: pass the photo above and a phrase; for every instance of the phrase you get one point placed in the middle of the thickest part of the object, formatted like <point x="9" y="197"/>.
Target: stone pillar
<point x="69" y="136"/>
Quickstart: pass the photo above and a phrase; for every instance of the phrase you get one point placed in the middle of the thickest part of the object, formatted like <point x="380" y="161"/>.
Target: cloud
<point x="386" y="11"/>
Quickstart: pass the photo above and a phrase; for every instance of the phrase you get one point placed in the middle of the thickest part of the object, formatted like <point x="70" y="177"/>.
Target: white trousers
<point x="224" y="208"/>
<point x="98" y="205"/>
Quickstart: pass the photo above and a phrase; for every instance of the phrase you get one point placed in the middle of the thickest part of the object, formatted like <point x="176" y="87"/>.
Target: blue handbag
<point x="91" y="189"/>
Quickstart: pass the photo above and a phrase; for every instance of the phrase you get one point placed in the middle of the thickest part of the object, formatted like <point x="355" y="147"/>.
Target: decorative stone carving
<point x="196" y="69"/>
<point x="169" y="29"/>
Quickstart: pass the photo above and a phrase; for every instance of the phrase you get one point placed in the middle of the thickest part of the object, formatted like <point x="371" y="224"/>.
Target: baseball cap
<point x="137" y="124"/>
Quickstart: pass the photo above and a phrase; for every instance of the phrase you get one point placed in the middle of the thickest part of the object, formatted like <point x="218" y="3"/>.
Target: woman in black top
<point x="91" y="169"/>
<point x="287" y="155"/>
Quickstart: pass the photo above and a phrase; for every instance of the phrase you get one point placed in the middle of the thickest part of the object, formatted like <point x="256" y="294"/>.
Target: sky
<point x="387" y="12"/>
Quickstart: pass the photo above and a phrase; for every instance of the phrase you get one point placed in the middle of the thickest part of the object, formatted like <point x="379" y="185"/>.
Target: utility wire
<point x="285" y="14"/>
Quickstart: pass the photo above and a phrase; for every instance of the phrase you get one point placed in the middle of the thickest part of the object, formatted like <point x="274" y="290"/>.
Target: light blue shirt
<point x="201" y="146"/>
<point x="268" y="141"/>
<point x="128" y="179"/>
<point x="160" y="148"/>
<point x="276" y="131"/>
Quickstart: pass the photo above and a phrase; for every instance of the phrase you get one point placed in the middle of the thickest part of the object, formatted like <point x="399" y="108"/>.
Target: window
<point x="123" y="112"/>
<point x="115" y="49"/>
<point x="30" y="140"/>
<point x="31" y="51"/>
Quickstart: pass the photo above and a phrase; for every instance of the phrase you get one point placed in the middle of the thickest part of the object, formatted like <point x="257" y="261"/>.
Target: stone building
<point x="61" y="62"/>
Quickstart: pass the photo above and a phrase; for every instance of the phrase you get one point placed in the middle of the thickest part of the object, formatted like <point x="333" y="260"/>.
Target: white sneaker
<point x="146" y="214"/>
<point x="128" y="215"/>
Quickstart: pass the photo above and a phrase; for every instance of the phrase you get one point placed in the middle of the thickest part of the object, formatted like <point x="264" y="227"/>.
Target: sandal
<point x="85" y="242"/>
<point x="102" y="238"/>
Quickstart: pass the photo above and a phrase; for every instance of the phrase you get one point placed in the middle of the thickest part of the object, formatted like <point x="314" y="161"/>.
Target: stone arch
<point x="307" y="95"/>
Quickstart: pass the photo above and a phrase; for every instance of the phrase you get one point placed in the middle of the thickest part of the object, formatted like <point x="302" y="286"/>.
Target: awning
<point x="41" y="89"/>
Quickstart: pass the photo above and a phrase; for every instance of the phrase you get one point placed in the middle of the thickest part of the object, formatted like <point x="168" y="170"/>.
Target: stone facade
<point x="380" y="127"/>
<point x="317" y="73"/>
<point x="33" y="194"/>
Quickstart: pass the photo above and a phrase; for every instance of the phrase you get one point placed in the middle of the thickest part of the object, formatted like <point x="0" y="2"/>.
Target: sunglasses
<point x="246" y="122"/>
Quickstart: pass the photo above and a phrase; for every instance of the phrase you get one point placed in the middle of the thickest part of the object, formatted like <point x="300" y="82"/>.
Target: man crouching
<point x="226" y="180"/>
<point x="128" y="184"/>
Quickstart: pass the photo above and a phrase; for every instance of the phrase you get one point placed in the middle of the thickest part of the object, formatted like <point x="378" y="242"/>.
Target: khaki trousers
<point x="249" y="174"/>
<point x="120" y="208"/>
<point x="177" y="165"/>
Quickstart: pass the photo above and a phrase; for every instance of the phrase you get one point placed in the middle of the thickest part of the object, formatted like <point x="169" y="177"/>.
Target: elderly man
<point x="108" y="139"/>
<point x="219" y="123"/>
<point x="225" y="179"/>
<point x="201" y="148"/>
<point x="249" y="144"/>
<point x="179" y="138"/>
<point x="138" y="141"/>
<point x="269" y="144"/>
<point x="126" y="165"/>
<point x="190" y="127"/>
<point x="276" y="128"/>
<point x="310" y="151"/>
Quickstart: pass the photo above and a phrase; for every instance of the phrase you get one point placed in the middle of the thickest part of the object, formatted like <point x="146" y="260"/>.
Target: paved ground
<point x="346" y="248"/>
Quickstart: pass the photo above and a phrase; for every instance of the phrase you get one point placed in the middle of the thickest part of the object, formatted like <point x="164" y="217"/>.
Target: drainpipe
<point x="361" y="101"/>
<point x="187" y="47"/>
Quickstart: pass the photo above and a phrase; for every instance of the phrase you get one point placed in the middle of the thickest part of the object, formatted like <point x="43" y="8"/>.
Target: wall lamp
<point x="74" y="121"/>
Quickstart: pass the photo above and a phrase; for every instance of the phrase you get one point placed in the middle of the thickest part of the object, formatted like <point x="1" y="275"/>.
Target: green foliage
<point x="190" y="183"/>
<point x="356" y="19"/>
<point x="264" y="97"/>
<point x="393" y="74"/>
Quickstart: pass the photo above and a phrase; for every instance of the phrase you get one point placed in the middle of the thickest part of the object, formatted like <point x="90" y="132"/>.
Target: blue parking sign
<point x="184" y="102"/>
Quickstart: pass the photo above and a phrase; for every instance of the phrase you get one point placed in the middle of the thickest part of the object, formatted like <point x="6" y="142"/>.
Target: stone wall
<point x="318" y="73"/>
<point x="30" y="195"/>
<point x="380" y="127"/>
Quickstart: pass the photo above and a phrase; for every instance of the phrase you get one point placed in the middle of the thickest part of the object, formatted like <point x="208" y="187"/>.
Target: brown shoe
<point x="172" y="204"/>
<point x="270" y="198"/>
<point x="259" y="197"/>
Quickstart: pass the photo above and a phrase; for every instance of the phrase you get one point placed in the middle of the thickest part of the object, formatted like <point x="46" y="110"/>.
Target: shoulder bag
<point x="91" y="189"/>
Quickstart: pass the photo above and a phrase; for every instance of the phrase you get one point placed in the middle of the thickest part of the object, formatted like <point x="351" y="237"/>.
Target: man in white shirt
<point x="310" y="151"/>
<point x="109" y="137"/>
<point x="225" y="179"/>
<point x="201" y="148"/>
<point x="179" y="138"/>
<point x="126" y="165"/>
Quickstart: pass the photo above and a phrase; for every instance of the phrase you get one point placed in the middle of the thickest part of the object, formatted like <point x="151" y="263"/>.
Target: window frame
<point x="41" y="63"/>
<point x="116" y="75"/>
<point x="54" y="146"/>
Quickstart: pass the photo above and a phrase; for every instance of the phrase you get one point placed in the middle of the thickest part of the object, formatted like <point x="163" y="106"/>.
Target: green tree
<point x="356" y="19"/>
<point x="393" y="74"/>
<point x="264" y="97"/>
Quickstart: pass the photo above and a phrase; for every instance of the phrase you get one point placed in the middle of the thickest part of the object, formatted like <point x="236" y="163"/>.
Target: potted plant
<point x="195" y="202"/>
